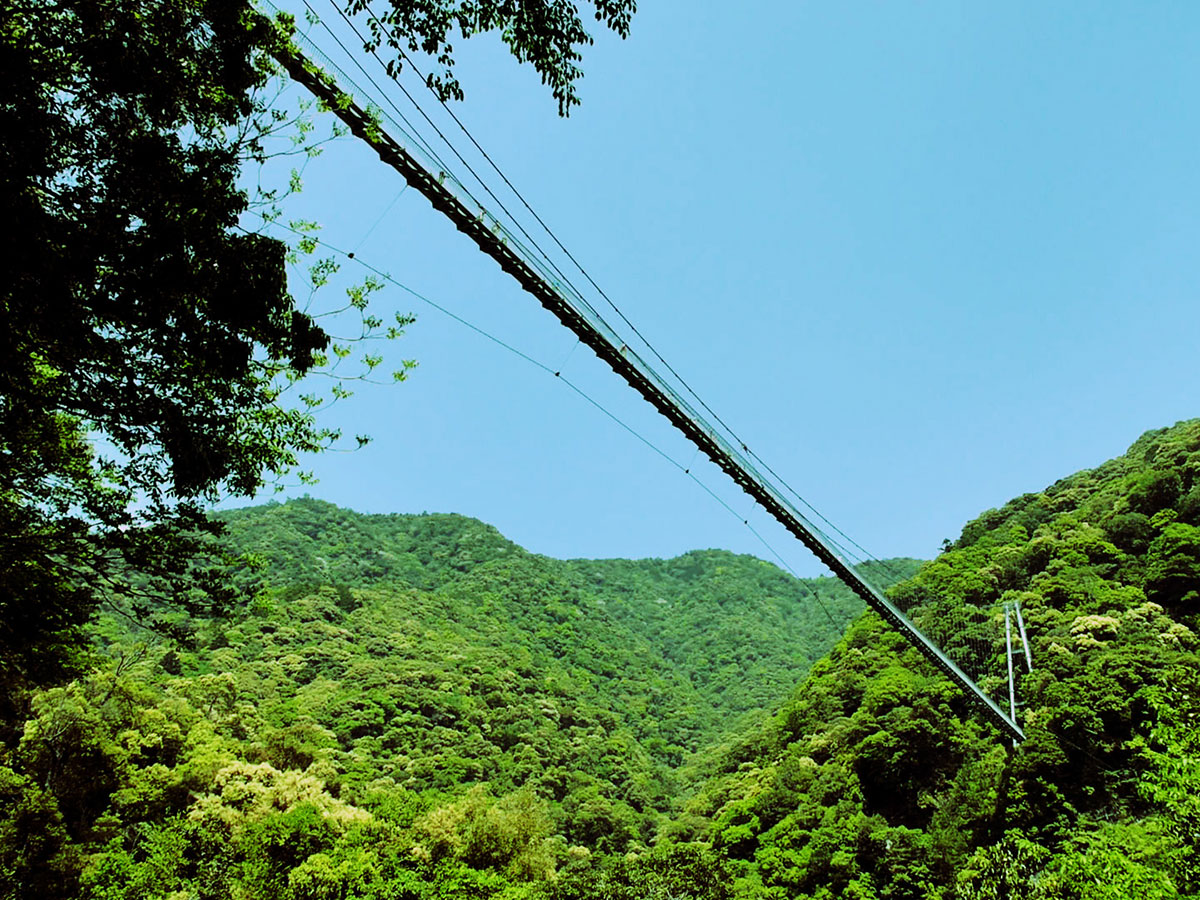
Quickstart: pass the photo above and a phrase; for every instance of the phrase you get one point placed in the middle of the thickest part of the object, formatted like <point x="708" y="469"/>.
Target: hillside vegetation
<point x="392" y="677"/>
<point x="875" y="780"/>
<point x="681" y="648"/>
<point x="415" y="707"/>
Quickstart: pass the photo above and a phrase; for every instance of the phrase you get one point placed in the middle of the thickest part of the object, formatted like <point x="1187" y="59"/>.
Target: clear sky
<point x="923" y="257"/>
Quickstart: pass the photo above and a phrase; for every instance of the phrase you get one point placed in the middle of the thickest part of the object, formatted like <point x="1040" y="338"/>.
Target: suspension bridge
<point x="668" y="393"/>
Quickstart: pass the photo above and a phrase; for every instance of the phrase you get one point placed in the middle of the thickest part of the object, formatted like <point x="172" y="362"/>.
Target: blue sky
<point x="922" y="257"/>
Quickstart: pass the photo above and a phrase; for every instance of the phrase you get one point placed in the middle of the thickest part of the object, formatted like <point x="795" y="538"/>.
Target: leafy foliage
<point x="876" y="781"/>
<point x="413" y="706"/>
<point x="420" y="680"/>
<point x="547" y="35"/>
<point x="723" y="635"/>
<point x="147" y="337"/>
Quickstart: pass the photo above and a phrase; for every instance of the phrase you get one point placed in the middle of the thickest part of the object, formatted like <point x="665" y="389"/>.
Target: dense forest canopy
<point x="427" y="661"/>
<point x="413" y="706"/>
<point x="875" y="780"/>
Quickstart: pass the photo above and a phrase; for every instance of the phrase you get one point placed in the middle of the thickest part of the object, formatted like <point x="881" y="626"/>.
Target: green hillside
<point x="738" y="628"/>
<point x="415" y="707"/>
<point x="875" y="780"/>
<point x="681" y="648"/>
<point x="418" y="681"/>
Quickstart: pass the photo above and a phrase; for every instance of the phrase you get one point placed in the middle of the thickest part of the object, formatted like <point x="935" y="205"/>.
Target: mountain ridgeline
<point x="682" y="649"/>
<point x="415" y="707"/>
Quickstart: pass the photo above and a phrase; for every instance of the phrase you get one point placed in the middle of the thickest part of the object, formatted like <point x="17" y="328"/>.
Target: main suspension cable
<point x="865" y="554"/>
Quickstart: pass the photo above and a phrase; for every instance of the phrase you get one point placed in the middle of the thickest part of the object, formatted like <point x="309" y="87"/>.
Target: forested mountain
<point x="415" y="666"/>
<point x="726" y="634"/>
<point x="875" y="780"/>
<point x="415" y="707"/>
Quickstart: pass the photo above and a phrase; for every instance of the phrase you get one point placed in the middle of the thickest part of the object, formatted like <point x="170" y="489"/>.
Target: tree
<point x="146" y="338"/>
<point x="143" y="334"/>
<point x="1173" y="570"/>
<point x="545" y="33"/>
<point x="1172" y="778"/>
<point x="35" y="856"/>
